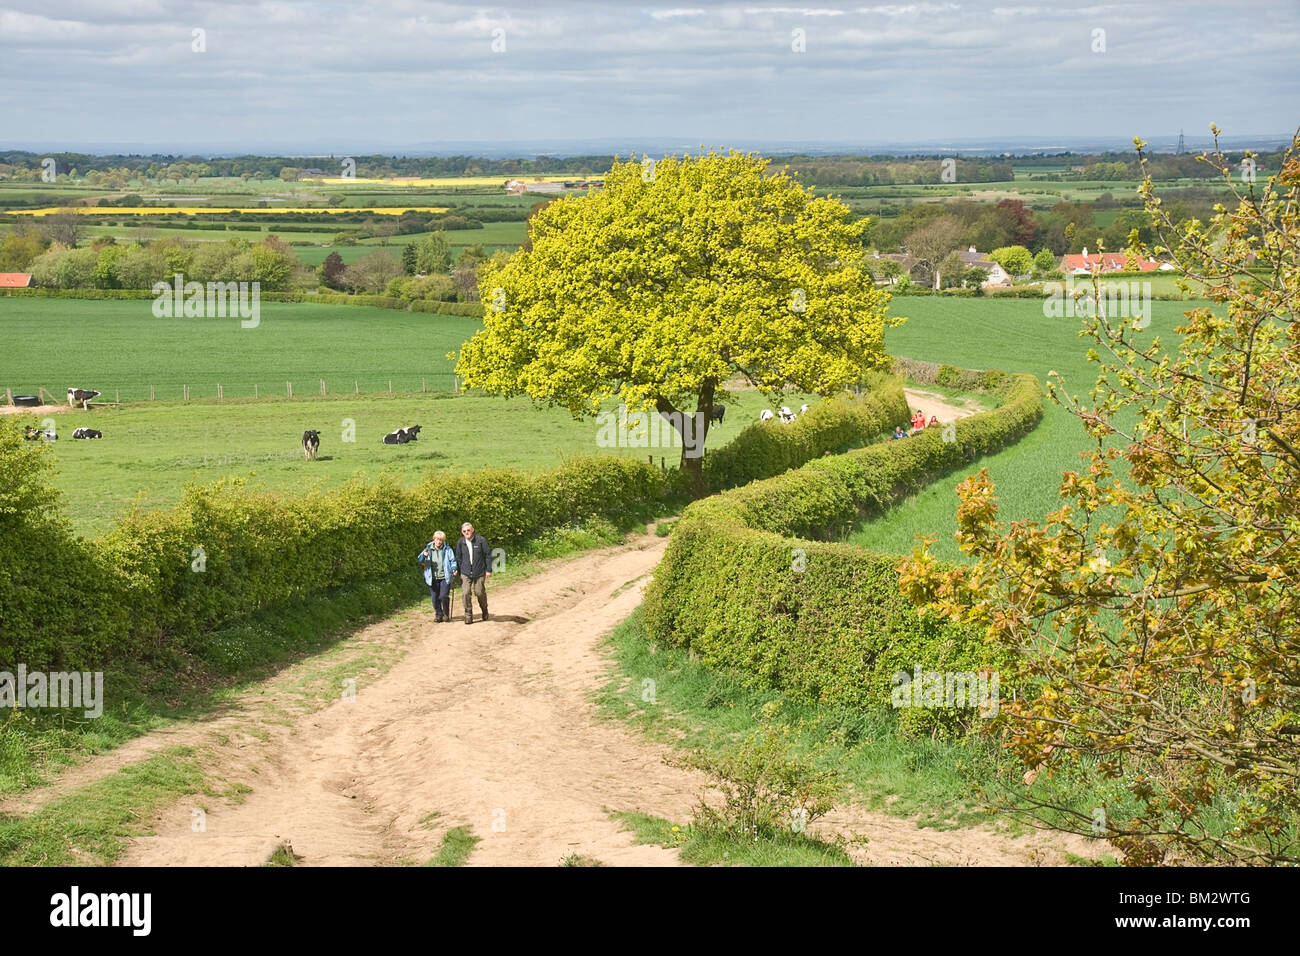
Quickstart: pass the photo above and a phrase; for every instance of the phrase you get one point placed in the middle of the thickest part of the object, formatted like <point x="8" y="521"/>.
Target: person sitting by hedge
<point x="899" y="433"/>
<point x="934" y="420"/>
<point x="439" y="566"/>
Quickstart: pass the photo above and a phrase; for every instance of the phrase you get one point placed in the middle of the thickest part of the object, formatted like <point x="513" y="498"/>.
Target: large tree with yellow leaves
<point x="674" y="279"/>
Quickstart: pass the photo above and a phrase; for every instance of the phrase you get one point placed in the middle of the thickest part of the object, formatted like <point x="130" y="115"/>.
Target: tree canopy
<point x="675" y="278"/>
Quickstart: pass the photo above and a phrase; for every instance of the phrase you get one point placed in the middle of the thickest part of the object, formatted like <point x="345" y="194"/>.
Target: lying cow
<point x="765" y="415"/>
<point x="32" y="433"/>
<point x="81" y="396"/>
<point x="787" y="416"/>
<point x="89" y="433"/>
<point x="310" y="444"/>
<point x="402" y="435"/>
<point x="803" y="409"/>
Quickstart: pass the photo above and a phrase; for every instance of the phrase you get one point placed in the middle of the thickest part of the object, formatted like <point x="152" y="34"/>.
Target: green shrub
<point x="766" y="785"/>
<point x="769" y="448"/>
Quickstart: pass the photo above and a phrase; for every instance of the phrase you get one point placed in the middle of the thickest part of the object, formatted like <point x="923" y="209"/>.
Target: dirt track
<point x="489" y="726"/>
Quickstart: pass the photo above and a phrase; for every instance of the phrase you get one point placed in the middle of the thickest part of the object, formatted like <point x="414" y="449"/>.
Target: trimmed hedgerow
<point x="836" y="424"/>
<point x="753" y="581"/>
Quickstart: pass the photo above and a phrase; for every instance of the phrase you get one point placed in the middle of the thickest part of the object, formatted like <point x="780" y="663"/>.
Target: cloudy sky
<point x="337" y="77"/>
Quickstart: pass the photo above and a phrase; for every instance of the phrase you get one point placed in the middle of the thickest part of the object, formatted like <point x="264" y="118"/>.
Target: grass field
<point x="121" y="346"/>
<point x="1014" y="336"/>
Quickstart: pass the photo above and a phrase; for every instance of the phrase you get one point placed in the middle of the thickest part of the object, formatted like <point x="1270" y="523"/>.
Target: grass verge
<point x="86" y="828"/>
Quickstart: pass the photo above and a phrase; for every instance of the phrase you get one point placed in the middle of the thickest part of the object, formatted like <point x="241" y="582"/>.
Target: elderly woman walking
<point x="439" y="562"/>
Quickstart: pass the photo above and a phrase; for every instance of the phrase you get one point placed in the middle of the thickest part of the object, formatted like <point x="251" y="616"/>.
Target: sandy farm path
<point x="488" y="726"/>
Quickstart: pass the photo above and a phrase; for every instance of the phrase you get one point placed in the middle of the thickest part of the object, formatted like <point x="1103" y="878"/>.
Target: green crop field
<point x="1012" y="335"/>
<point x="121" y="347"/>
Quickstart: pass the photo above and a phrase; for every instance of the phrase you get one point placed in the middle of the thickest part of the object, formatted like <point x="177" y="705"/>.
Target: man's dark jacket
<point x="477" y="565"/>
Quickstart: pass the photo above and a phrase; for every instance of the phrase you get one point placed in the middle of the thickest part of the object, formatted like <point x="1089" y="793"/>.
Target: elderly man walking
<point x="473" y="557"/>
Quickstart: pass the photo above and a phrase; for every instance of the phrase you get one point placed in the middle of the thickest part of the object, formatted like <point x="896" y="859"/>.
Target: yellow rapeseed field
<point x="439" y="182"/>
<point x="190" y="210"/>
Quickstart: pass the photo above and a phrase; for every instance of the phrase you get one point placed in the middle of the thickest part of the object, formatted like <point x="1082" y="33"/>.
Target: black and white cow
<point x="32" y="433"/>
<point x="89" y="433"/>
<point x="81" y="396"/>
<point x="718" y="412"/>
<point x="402" y="435"/>
<point x="310" y="444"/>
<point x="765" y="415"/>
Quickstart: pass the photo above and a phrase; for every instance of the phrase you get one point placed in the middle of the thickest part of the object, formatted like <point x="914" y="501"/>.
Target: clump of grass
<point x="577" y="859"/>
<point x="703" y="847"/>
<point x="282" y="856"/>
<point x="457" y="844"/>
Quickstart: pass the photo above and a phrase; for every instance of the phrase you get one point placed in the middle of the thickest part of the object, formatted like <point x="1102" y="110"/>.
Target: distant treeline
<point x="836" y="170"/>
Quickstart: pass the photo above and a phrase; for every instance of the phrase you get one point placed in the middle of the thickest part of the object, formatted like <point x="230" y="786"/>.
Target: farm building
<point x="15" y="280"/>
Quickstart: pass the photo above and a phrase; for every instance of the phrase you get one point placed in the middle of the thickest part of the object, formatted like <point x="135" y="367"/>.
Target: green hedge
<point x="833" y="425"/>
<point x="729" y="586"/>
<point x="470" y="309"/>
<point x="135" y="592"/>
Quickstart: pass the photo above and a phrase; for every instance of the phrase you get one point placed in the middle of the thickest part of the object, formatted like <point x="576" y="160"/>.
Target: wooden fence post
<point x="288" y="389"/>
<point x="220" y="395"/>
<point x="322" y="386"/>
<point x="255" y="390"/>
<point x="390" y="386"/>
<point x="356" y="387"/>
<point x="117" y="396"/>
<point x="9" y="396"/>
<point x="151" y="393"/>
<point x="422" y="388"/>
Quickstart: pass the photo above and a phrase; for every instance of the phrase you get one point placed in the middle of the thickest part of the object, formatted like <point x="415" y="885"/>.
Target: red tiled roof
<point x="1109" y="261"/>
<point x="15" y="280"/>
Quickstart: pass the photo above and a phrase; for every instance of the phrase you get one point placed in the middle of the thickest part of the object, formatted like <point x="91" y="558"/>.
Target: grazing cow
<point x="80" y="396"/>
<point x="310" y="444"/>
<point x="765" y="415"/>
<point x="787" y="416"/>
<point x="718" y="412"/>
<point x="89" y="433"/>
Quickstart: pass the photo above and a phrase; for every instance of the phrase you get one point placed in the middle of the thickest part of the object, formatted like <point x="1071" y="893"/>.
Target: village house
<point x="1082" y="264"/>
<point x="15" y="280"/>
<point x="998" y="278"/>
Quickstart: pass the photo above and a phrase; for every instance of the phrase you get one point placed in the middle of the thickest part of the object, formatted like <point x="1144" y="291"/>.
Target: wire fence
<point x="437" y="383"/>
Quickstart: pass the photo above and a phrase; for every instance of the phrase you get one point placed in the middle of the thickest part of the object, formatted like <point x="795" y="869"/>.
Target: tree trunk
<point x="692" y="465"/>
